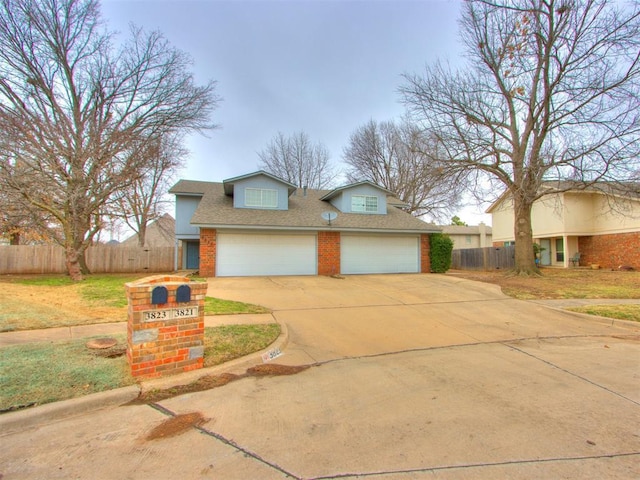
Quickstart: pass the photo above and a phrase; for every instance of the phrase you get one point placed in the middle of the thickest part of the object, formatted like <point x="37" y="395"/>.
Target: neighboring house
<point x="160" y="233"/>
<point x="603" y="229"/>
<point x="259" y="224"/>
<point x="464" y="236"/>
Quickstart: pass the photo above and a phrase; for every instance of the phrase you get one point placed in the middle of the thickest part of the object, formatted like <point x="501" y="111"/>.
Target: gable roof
<point x="216" y="210"/>
<point x="229" y="182"/>
<point x="335" y="192"/>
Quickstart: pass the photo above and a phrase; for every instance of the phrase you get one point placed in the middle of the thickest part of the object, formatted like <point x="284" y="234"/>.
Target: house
<point x="160" y="233"/>
<point x="464" y="236"/>
<point x="259" y="224"/>
<point x="604" y="229"/>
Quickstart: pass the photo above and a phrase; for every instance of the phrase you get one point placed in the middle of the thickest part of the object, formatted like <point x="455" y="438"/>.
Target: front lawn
<point x="39" y="373"/>
<point x="46" y="301"/>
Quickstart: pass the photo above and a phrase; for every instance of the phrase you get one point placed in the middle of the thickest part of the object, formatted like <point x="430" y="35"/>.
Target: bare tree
<point x="297" y="160"/>
<point x="143" y="200"/>
<point x="404" y="160"/>
<point x="76" y="112"/>
<point x="551" y="92"/>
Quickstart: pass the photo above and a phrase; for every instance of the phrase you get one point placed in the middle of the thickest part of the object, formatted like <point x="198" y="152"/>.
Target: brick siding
<point x="328" y="253"/>
<point x="208" y="252"/>
<point x="425" y="261"/>
<point x="611" y="251"/>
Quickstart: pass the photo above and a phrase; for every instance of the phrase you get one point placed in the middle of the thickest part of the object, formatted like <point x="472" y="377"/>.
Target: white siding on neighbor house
<point x="263" y="182"/>
<point x="185" y="207"/>
<point x="570" y="214"/>
<point x="547" y="217"/>
<point x="379" y="254"/>
<point x="258" y="254"/>
<point x="615" y="216"/>
<point x="502" y="222"/>
<point x="343" y="201"/>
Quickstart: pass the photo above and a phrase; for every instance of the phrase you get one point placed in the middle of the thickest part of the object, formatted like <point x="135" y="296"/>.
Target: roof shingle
<point x="216" y="210"/>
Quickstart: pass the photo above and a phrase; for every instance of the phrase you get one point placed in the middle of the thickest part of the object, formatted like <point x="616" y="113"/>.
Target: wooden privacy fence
<point x="489" y="258"/>
<point x="18" y="259"/>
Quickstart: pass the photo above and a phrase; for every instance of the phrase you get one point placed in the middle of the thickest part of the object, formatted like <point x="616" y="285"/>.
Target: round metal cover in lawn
<point x="100" y="343"/>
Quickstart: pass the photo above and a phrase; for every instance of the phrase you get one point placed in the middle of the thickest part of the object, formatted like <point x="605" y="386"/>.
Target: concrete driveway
<point x="414" y="377"/>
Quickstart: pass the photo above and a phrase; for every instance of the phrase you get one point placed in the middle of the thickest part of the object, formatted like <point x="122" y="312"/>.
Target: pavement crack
<point x="568" y="372"/>
<point x="475" y="465"/>
<point x="228" y="442"/>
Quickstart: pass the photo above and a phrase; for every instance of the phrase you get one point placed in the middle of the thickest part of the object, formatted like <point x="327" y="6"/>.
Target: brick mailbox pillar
<point x="165" y="331"/>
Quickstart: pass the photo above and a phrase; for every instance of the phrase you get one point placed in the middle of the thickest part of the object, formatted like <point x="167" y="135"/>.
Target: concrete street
<point x="413" y="377"/>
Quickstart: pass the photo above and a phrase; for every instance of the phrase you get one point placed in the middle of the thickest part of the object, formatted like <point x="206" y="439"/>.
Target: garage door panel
<point x="379" y="254"/>
<point x="265" y="254"/>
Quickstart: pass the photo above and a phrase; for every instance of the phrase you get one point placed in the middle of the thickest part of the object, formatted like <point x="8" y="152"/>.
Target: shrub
<point x="440" y="248"/>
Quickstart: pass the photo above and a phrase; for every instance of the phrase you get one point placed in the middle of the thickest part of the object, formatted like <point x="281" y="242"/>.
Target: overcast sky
<point x="322" y="66"/>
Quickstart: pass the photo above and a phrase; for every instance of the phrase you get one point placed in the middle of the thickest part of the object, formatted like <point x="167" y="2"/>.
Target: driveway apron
<point x="412" y="377"/>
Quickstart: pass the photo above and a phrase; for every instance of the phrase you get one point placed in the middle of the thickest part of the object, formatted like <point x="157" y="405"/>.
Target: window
<point x="559" y="250"/>
<point x="260" y="197"/>
<point x="468" y="239"/>
<point x="364" y="204"/>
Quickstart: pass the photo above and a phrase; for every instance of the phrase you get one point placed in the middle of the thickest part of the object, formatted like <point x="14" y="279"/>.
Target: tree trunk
<point x="14" y="238"/>
<point x="72" y="261"/>
<point x="142" y="233"/>
<point x="524" y="260"/>
<point x="82" y="260"/>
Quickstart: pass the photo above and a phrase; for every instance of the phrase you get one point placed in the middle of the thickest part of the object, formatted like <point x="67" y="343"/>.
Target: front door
<point x="545" y="253"/>
<point x="193" y="255"/>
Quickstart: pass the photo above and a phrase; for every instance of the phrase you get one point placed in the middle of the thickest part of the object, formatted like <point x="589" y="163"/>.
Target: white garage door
<point x="249" y="254"/>
<point x="379" y="254"/>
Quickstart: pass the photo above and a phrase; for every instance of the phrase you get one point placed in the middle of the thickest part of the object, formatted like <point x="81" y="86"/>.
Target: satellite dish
<point x="328" y="216"/>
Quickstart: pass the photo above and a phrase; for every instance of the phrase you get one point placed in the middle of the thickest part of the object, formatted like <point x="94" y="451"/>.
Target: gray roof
<point x="216" y="210"/>
<point x="189" y="187"/>
<point x="160" y="233"/>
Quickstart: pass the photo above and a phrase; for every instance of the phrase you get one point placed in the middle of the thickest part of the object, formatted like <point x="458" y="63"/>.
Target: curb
<point x="588" y="316"/>
<point x="51" y="412"/>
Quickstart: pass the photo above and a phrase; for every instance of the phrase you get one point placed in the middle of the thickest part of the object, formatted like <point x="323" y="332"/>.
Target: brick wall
<point x="207" y="252"/>
<point x="328" y="253"/>
<point x="611" y="251"/>
<point x="425" y="261"/>
<point x="172" y="342"/>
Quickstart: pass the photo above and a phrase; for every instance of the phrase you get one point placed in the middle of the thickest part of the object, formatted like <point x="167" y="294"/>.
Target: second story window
<point x="364" y="204"/>
<point x="261" y="198"/>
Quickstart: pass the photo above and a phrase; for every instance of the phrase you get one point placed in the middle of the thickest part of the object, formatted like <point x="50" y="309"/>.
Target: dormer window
<point x="364" y="204"/>
<point x="261" y="198"/>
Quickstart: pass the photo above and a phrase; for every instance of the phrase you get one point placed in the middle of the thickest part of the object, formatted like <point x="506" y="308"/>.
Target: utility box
<point x="165" y="330"/>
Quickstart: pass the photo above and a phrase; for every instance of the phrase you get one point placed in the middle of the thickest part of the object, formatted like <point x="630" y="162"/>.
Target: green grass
<point x="621" y="312"/>
<point x="106" y="290"/>
<point x="227" y="342"/>
<point x="40" y="373"/>
<point x="216" y="306"/>
<point x="46" y="281"/>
